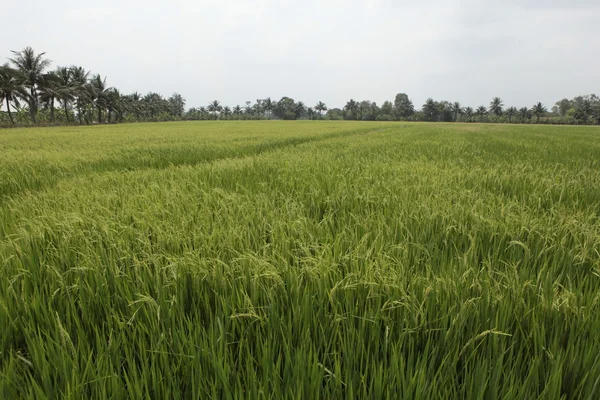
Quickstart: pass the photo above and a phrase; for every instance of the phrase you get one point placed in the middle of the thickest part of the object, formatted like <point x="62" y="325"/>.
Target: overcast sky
<point x="329" y="50"/>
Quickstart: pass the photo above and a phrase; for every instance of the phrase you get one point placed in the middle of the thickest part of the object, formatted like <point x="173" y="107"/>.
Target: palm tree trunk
<point x="52" y="109"/>
<point x="32" y="105"/>
<point x="12" y="121"/>
<point x="66" y="112"/>
<point x="109" y="112"/>
<point x="99" y="115"/>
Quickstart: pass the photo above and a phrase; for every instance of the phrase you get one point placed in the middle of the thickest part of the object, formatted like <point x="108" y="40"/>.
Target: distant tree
<point x="49" y="90"/>
<point x="258" y="108"/>
<point x="300" y="110"/>
<point x="538" y="110"/>
<point x="524" y="114"/>
<point x="99" y="91"/>
<point x="563" y="106"/>
<point x="351" y="109"/>
<point x="68" y="89"/>
<point x="468" y="113"/>
<point x="214" y="107"/>
<point x="403" y="105"/>
<point x="386" y="111"/>
<point x="203" y="113"/>
<point x="496" y="106"/>
<point x="311" y="113"/>
<point x="268" y="106"/>
<point x="12" y="88"/>
<point x="237" y="110"/>
<point x="226" y="112"/>
<point x="456" y="110"/>
<point x="481" y="112"/>
<point x="430" y="110"/>
<point x="31" y="66"/>
<point x="177" y="105"/>
<point x="112" y="102"/>
<point x="584" y="110"/>
<point x="82" y="94"/>
<point x="510" y="113"/>
<point x="320" y="107"/>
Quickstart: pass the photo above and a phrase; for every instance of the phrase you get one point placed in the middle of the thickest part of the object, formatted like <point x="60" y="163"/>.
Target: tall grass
<point x="300" y="260"/>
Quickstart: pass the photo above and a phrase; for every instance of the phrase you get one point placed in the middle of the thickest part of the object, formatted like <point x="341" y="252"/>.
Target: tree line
<point x="31" y="93"/>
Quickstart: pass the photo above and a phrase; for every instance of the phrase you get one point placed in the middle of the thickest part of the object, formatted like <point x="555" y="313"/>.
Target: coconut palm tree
<point x="113" y="103"/>
<point x="481" y="112"/>
<point x="237" y="110"/>
<point x="258" y="108"/>
<point x="215" y="107"/>
<point x="430" y="110"/>
<point x="50" y="89"/>
<point x="81" y="89"/>
<point x="310" y="112"/>
<point x="32" y="67"/>
<point x="456" y="110"/>
<point x="11" y="88"/>
<point x="496" y="106"/>
<point x="203" y="113"/>
<point x="510" y="113"/>
<point x="468" y="112"/>
<point x="538" y="110"/>
<point x="226" y="111"/>
<point x="320" y="107"/>
<point x="268" y="105"/>
<point x="300" y="109"/>
<point x="352" y="108"/>
<point x="524" y="114"/>
<point x="67" y="88"/>
<point x="99" y="93"/>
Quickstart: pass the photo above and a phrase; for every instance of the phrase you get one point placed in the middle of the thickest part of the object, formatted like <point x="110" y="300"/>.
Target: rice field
<point x="300" y="260"/>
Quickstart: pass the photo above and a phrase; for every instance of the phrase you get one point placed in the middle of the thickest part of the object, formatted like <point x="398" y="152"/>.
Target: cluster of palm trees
<point x="82" y="97"/>
<point x="31" y="93"/>
<point x="286" y="108"/>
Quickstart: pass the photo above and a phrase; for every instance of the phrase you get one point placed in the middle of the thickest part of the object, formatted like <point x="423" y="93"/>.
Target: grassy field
<point x="300" y="260"/>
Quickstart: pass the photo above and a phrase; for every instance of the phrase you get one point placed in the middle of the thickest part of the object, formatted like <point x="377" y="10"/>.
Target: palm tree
<point x="67" y="88"/>
<point x="300" y="109"/>
<point x="215" y="107"/>
<point x="496" y="106"/>
<point x="510" y="113"/>
<point x="50" y="90"/>
<point x="237" y="110"/>
<point x="481" y="112"/>
<point x="203" y="113"/>
<point x="32" y="67"/>
<point x="268" y="105"/>
<point x="113" y="102"/>
<point x="524" y="114"/>
<point x="81" y="90"/>
<point x="226" y="111"/>
<point x="320" y="107"/>
<point x="99" y="92"/>
<point x="430" y="110"/>
<point x="538" y="110"/>
<point x="11" y="88"/>
<point x="258" y="108"/>
<point x="352" y="108"/>
<point x="468" y="112"/>
<point x="310" y="112"/>
<point x="456" y="110"/>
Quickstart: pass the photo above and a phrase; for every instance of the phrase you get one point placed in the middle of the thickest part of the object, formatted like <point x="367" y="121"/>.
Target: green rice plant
<point x="300" y="260"/>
